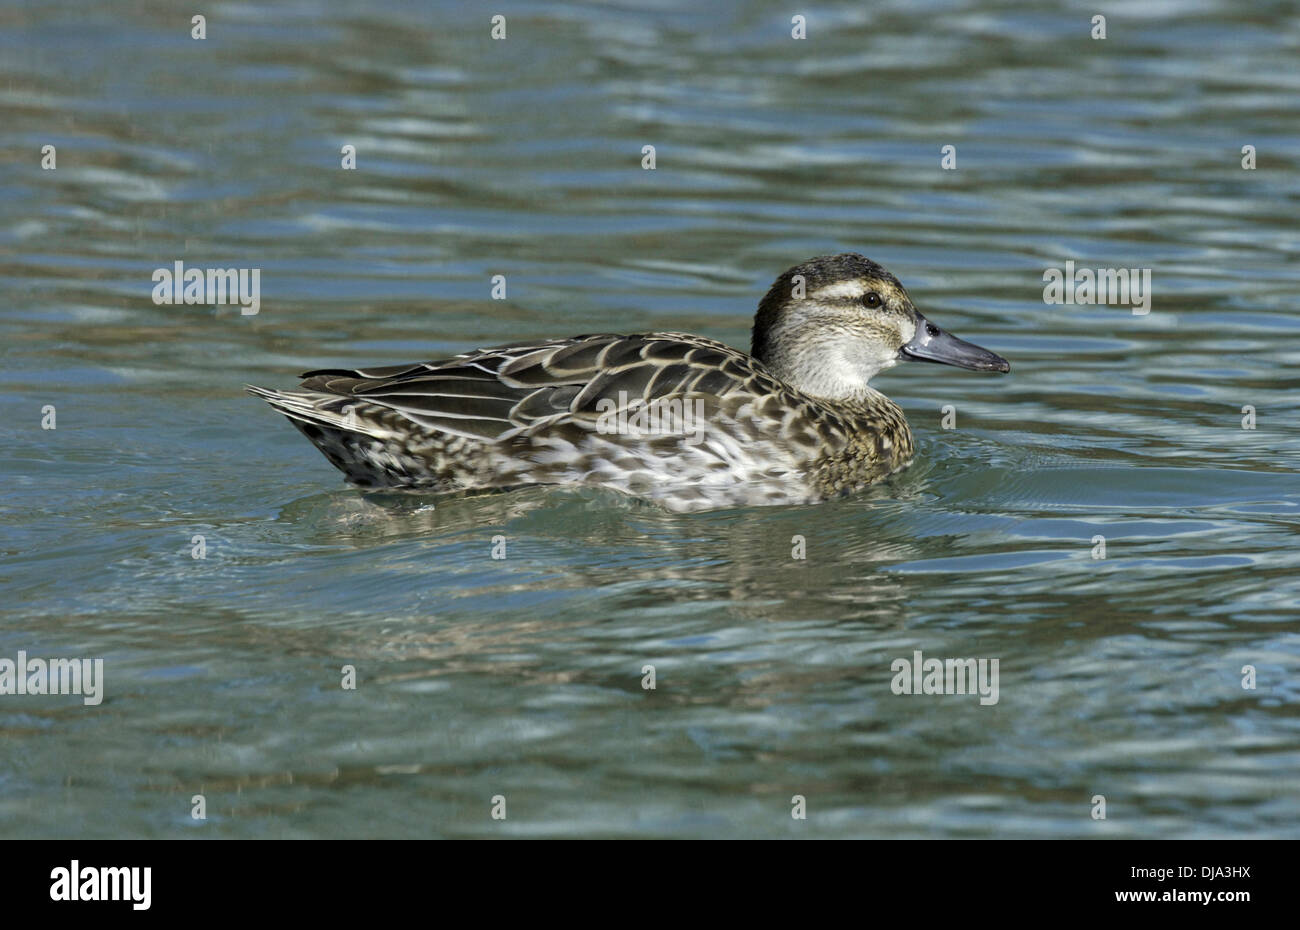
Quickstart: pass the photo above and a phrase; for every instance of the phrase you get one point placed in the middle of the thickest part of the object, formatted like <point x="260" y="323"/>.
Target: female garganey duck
<point x="686" y="421"/>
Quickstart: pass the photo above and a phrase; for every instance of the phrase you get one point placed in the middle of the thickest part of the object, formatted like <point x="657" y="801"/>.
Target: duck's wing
<point x="503" y="392"/>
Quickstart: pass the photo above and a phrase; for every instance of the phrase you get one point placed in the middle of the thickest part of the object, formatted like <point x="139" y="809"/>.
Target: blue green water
<point x="522" y="677"/>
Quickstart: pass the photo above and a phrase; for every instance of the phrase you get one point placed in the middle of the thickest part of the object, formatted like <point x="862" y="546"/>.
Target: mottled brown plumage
<point x="681" y="419"/>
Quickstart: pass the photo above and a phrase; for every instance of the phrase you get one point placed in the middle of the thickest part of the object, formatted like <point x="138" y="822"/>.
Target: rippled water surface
<point x="522" y="677"/>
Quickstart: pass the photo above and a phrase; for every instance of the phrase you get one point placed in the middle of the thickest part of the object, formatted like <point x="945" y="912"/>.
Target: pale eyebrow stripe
<point x="840" y="289"/>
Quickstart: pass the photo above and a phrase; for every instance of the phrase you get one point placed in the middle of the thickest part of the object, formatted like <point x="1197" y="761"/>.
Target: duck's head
<point x="828" y="325"/>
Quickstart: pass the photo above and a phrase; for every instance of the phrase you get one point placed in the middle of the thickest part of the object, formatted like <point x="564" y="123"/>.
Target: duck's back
<point x="683" y="420"/>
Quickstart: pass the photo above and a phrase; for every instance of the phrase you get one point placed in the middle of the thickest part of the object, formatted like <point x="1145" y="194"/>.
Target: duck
<point x="681" y="420"/>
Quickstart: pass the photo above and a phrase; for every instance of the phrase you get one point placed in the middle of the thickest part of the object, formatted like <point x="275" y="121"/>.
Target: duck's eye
<point x="871" y="299"/>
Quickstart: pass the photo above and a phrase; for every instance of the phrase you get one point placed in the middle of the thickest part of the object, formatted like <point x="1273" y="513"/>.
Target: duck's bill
<point x="932" y="344"/>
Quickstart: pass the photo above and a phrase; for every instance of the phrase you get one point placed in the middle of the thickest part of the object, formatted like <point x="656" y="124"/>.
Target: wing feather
<point x="498" y="392"/>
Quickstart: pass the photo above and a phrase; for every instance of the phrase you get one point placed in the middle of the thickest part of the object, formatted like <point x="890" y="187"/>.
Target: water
<point x="522" y="677"/>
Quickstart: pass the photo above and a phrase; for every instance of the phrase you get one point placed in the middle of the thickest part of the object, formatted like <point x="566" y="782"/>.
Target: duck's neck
<point x="866" y="412"/>
<point x="825" y="375"/>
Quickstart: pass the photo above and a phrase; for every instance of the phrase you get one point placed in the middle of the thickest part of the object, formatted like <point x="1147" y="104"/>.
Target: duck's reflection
<point x="628" y="575"/>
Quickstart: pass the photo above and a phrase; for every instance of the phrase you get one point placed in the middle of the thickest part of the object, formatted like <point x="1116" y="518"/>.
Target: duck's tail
<point x="352" y="435"/>
<point x="328" y="411"/>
